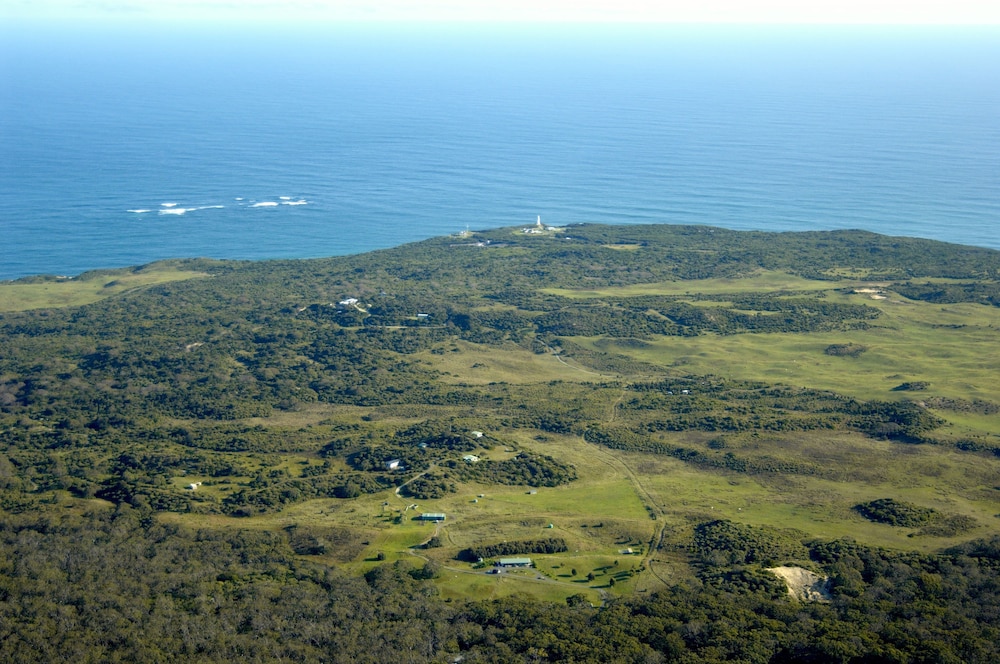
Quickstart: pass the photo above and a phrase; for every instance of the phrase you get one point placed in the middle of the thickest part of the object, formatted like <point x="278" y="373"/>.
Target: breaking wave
<point x="182" y="210"/>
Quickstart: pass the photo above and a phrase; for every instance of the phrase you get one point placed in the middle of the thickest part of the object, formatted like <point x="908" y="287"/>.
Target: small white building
<point x="470" y="458"/>
<point x="393" y="464"/>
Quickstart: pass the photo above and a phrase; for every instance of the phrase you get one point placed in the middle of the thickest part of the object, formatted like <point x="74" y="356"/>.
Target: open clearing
<point x="955" y="348"/>
<point x="87" y="288"/>
<point x="761" y="281"/>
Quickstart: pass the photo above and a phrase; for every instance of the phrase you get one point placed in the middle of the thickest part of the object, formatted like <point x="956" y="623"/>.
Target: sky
<point x="822" y="12"/>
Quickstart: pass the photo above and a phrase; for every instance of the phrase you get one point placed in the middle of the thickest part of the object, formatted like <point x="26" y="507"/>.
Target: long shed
<point x="514" y="562"/>
<point x="432" y="516"/>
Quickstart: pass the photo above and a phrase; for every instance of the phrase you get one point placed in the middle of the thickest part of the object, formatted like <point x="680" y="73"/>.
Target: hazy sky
<point x="980" y="12"/>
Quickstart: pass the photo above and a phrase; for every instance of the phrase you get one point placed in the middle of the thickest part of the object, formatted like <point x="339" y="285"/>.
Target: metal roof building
<point x="514" y="562"/>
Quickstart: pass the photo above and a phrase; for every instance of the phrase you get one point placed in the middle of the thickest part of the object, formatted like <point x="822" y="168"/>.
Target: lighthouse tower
<point x="538" y="223"/>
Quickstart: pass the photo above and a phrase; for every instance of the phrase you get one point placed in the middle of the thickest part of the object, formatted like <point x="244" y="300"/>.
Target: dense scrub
<point x="983" y="292"/>
<point x="895" y="512"/>
<point x="525" y="468"/>
<point x="725" y="543"/>
<point x="513" y="548"/>
<point x="119" y="586"/>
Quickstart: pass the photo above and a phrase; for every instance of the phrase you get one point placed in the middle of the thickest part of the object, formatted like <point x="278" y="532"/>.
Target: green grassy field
<point x="88" y="288"/>
<point x="762" y="281"/>
<point x="478" y="365"/>
<point x="956" y="348"/>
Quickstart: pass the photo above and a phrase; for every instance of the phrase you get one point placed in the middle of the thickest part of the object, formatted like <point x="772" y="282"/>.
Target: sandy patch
<point x="803" y="584"/>
<point x="873" y="293"/>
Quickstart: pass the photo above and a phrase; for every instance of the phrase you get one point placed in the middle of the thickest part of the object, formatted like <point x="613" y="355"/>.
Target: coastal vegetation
<point x="207" y="460"/>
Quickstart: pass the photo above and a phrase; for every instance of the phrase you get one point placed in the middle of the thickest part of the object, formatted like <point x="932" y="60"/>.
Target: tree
<point x="348" y="490"/>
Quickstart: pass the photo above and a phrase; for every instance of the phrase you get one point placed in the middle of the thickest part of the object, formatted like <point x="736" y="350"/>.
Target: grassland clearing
<point x="473" y="364"/>
<point x="454" y="584"/>
<point x="760" y="281"/>
<point x="822" y="507"/>
<point x="87" y="288"/>
<point x="956" y="349"/>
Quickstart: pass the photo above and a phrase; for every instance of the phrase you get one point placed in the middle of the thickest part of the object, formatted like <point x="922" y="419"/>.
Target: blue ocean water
<point x="124" y="144"/>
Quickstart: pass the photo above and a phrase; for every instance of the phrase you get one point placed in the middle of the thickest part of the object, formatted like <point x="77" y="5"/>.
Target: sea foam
<point x="183" y="210"/>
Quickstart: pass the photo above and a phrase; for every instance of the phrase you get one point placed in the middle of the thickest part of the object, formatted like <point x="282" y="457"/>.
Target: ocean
<point x="128" y="143"/>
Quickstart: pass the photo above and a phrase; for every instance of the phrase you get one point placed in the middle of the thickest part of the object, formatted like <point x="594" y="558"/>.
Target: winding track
<point x="648" y="499"/>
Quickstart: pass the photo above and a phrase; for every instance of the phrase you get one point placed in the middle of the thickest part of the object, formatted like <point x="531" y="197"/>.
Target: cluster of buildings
<point x="538" y="228"/>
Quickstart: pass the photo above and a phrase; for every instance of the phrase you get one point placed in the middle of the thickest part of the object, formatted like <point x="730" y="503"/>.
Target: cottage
<point x="470" y="458"/>
<point x="393" y="464"/>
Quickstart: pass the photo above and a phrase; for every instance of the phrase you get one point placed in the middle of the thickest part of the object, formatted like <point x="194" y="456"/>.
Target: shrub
<point x="895" y="512"/>
<point x="913" y="386"/>
<point x="845" y="350"/>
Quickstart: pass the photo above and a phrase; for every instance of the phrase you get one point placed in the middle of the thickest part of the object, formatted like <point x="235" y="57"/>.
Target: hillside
<point x="655" y="415"/>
